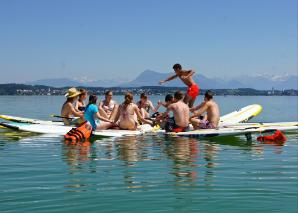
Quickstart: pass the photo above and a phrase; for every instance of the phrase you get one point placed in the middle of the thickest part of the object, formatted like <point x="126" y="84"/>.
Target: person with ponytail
<point x="129" y="113"/>
<point x="92" y="112"/>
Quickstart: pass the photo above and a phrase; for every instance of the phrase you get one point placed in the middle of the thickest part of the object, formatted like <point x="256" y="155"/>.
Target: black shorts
<point x="171" y="126"/>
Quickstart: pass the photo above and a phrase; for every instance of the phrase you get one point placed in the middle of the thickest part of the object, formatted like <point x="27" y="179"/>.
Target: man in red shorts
<point x="186" y="77"/>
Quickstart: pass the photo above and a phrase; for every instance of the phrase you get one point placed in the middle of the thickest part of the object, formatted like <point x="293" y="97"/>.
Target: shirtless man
<point x="108" y="107"/>
<point x="186" y="77"/>
<point x="68" y="110"/>
<point x="128" y="114"/>
<point x="180" y="121"/>
<point x="213" y="115"/>
<point x="145" y="106"/>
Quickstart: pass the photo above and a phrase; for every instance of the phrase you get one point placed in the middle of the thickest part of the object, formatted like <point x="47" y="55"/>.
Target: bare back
<point x="181" y="113"/>
<point x="213" y="114"/>
<point x="128" y="117"/>
<point x="67" y="112"/>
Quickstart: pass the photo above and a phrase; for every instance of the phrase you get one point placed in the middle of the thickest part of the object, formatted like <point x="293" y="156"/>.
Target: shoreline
<point x="41" y="90"/>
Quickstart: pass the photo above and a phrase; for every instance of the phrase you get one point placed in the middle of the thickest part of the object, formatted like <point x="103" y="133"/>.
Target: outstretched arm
<point x="202" y="109"/>
<point x="152" y="107"/>
<point x="137" y="111"/>
<point x="168" y="79"/>
<point x="196" y="107"/>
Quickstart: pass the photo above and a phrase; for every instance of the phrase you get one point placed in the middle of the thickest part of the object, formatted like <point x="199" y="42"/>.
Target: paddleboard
<point x="29" y="120"/>
<point x="239" y="130"/>
<point x="242" y="115"/>
<point x="62" y="130"/>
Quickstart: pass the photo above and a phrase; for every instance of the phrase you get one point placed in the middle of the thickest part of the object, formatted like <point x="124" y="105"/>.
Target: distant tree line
<point x="23" y="89"/>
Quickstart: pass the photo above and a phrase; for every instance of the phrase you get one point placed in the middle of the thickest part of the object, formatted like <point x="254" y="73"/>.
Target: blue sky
<point x="119" y="39"/>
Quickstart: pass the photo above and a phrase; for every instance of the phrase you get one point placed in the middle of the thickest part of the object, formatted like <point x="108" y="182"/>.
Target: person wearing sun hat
<point x="68" y="111"/>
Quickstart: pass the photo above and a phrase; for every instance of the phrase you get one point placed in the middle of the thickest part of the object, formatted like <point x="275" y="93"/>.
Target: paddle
<point x="58" y="116"/>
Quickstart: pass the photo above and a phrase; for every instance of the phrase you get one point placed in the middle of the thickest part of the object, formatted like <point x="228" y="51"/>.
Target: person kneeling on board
<point x="180" y="121"/>
<point x="128" y="114"/>
<point x="68" y="111"/>
<point x="211" y="108"/>
<point x="92" y="112"/>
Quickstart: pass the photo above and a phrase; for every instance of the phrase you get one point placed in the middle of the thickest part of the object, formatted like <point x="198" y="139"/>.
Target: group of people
<point x="128" y="115"/>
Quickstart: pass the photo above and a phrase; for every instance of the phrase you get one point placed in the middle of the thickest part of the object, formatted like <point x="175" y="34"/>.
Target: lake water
<point x="148" y="173"/>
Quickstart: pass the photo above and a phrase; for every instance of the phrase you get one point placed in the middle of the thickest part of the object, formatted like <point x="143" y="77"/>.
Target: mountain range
<point x="151" y="78"/>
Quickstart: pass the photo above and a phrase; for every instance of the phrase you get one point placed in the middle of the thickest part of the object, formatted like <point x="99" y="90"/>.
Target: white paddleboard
<point x="242" y="115"/>
<point x="239" y="130"/>
<point x="62" y="130"/>
<point x="29" y="120"/>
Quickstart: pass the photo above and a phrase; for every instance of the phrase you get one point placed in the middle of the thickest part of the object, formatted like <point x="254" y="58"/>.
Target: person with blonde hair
<point x="129" y="113"/>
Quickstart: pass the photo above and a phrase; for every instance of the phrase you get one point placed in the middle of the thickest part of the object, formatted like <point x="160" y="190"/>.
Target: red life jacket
<point x="277" y="137"/>
<point x="80" y="133"/>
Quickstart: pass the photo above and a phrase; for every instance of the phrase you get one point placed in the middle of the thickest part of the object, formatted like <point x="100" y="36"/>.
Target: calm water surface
<point x="148" y="173"/>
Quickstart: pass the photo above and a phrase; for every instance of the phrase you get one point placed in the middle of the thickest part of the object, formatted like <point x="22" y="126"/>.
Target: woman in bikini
<point x="80" y="104"/>
<point x="108" y="107"/>
<point x="129" y="113"/>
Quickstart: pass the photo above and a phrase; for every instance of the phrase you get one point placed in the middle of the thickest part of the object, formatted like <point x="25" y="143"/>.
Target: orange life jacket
<point x="80" y="133"/>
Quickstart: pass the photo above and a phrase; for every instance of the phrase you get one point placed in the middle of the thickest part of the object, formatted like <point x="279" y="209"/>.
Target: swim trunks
<point x="205" y="124"/>
<point x="193" y="91"/>
<point x="171" y="126"/>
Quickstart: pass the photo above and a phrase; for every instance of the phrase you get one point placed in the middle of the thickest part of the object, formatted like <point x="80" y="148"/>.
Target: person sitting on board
<point x="211" y="108"/>
<point x="68" y="111"/>
<point x="108" y="107"/>
<point x="186" y="77"/>
<point x="92" y="112"/>
<point x="145" y="105"/>
<point x="180" y="121"/>
<point x="129" y="113"/>
<point x="169" y="99"/>
<point x="80" y="104"/>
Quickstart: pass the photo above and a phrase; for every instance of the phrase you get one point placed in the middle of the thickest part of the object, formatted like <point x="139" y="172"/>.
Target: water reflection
<point x="12" y="135"/>
<point x="184" y="153"/>
<point x="75" y="154"/>
<point x="128" y="150"/>
<point x="142" y="162"/>
<point x="131" y="150"/>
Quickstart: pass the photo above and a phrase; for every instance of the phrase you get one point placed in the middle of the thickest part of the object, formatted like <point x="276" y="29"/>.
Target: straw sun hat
<point x="72" y="92"/>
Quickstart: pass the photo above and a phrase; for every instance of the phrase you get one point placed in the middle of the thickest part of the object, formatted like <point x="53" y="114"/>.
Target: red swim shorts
<point x="193" y="91"/>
